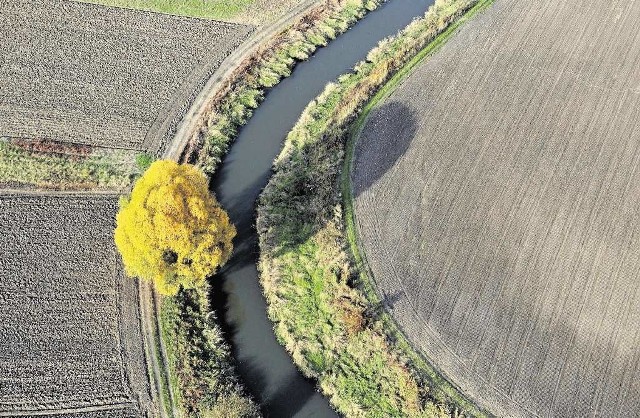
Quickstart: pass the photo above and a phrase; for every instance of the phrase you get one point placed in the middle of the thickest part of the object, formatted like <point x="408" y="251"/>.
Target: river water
<point x="265" y="367"/>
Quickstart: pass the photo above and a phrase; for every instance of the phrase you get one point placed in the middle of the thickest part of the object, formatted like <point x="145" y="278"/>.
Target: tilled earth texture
<point x="70" y="333"/>
<point x="497" y="199"/>
<point x="103" y="76"/>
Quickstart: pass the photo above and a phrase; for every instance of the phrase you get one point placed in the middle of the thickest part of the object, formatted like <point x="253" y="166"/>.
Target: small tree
<point x="171" y="230"/>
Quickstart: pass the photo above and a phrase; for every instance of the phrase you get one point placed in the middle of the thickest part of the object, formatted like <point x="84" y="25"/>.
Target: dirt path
<point x="497" y="200"/>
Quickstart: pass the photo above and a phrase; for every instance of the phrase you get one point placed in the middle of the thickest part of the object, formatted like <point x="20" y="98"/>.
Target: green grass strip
<point x="101" y="169"/>
<point x="207" y="9"/>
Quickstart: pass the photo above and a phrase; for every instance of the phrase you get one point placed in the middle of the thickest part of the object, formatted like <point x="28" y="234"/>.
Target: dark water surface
<point x="266" y="368"/>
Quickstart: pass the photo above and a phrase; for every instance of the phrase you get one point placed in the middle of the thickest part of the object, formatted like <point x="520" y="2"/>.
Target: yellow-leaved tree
<point x="171" y="230"/>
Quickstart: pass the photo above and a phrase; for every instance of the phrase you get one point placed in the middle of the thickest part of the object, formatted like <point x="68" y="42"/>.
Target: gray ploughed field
<point x="498" y="205"/>
<point x="70" y="325"/>
<point x="97" y="75"/>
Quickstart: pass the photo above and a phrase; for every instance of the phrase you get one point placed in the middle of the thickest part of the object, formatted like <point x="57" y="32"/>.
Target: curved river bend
<point x="266" y="368"/>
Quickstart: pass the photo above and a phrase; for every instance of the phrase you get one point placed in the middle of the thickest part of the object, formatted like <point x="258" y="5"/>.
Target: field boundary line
<point x="189" y="123"/>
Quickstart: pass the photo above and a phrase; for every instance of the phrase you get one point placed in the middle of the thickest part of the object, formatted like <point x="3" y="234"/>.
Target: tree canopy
<point x="171" y="230"/>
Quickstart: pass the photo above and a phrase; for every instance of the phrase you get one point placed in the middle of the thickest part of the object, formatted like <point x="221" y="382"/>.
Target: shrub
<point x="144" y="161"/>
<point x="171" y="230"/>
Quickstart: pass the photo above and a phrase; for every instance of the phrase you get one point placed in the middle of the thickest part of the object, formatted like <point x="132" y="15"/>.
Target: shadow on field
<point x="385" y="138"/>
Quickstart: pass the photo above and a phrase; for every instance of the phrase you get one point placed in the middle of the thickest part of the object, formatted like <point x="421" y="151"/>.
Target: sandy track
<point x="497" y="201"/>
<point x="70" y="323"/>
<point x="104" y="76"/>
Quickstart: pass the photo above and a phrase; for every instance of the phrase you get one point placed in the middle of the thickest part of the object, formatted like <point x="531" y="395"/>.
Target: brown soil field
<point x="497" y="200"/>
<point x="103" y="76"/>
<point x="70" y="323"/>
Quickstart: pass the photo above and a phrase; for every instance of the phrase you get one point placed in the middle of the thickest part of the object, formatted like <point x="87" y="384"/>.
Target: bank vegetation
<point x="324" y="306"/>
<point x="234" y="103"/>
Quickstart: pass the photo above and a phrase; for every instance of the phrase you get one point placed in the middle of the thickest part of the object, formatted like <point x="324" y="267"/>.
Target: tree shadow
<point x="307" y="194"/>
<point x="383" y="141"/>
<point x="289" y="399"/>
<point x="386" y="304"/>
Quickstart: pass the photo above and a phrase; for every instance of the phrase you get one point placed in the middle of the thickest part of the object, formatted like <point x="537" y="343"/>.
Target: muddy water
<point x="265" y="366"/>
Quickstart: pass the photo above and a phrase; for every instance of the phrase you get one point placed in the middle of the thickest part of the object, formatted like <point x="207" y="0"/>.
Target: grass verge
<point x="207" y="9"/>
<point x="321" y="297"/>
<point x="202" y="375"/>
<point x="61" y="166"/>
<point x="249" y="12"/>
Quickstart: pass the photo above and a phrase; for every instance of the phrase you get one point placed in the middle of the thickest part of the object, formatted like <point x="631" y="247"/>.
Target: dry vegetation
<point x="103" y="76"/>
<point x="70" y="324"/>
<point x="65" y="166"/>
<point x="496" y="197"/>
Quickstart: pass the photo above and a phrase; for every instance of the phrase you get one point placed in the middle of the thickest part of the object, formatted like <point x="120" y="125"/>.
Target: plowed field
<point x="70" y="325"/>
<point x="498" y="205"/>
<point x="103" y="76"/>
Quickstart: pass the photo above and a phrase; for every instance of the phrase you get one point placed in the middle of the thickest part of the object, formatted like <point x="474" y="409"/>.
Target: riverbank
<point x="320" y="296"/>
<point x="203" y="373"/>
<point x="203" y="382"/>
<point x="244" y="90"/>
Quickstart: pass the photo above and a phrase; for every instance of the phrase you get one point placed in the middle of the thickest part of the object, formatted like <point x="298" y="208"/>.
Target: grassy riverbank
<point x="202" y="376"/>
<point x="233" y="105"/>
<point x="323" y="303"/>
<point x="203" y="379"/>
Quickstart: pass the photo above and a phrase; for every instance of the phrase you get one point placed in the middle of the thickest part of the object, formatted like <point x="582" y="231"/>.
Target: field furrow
<point x="69" y="320"/>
